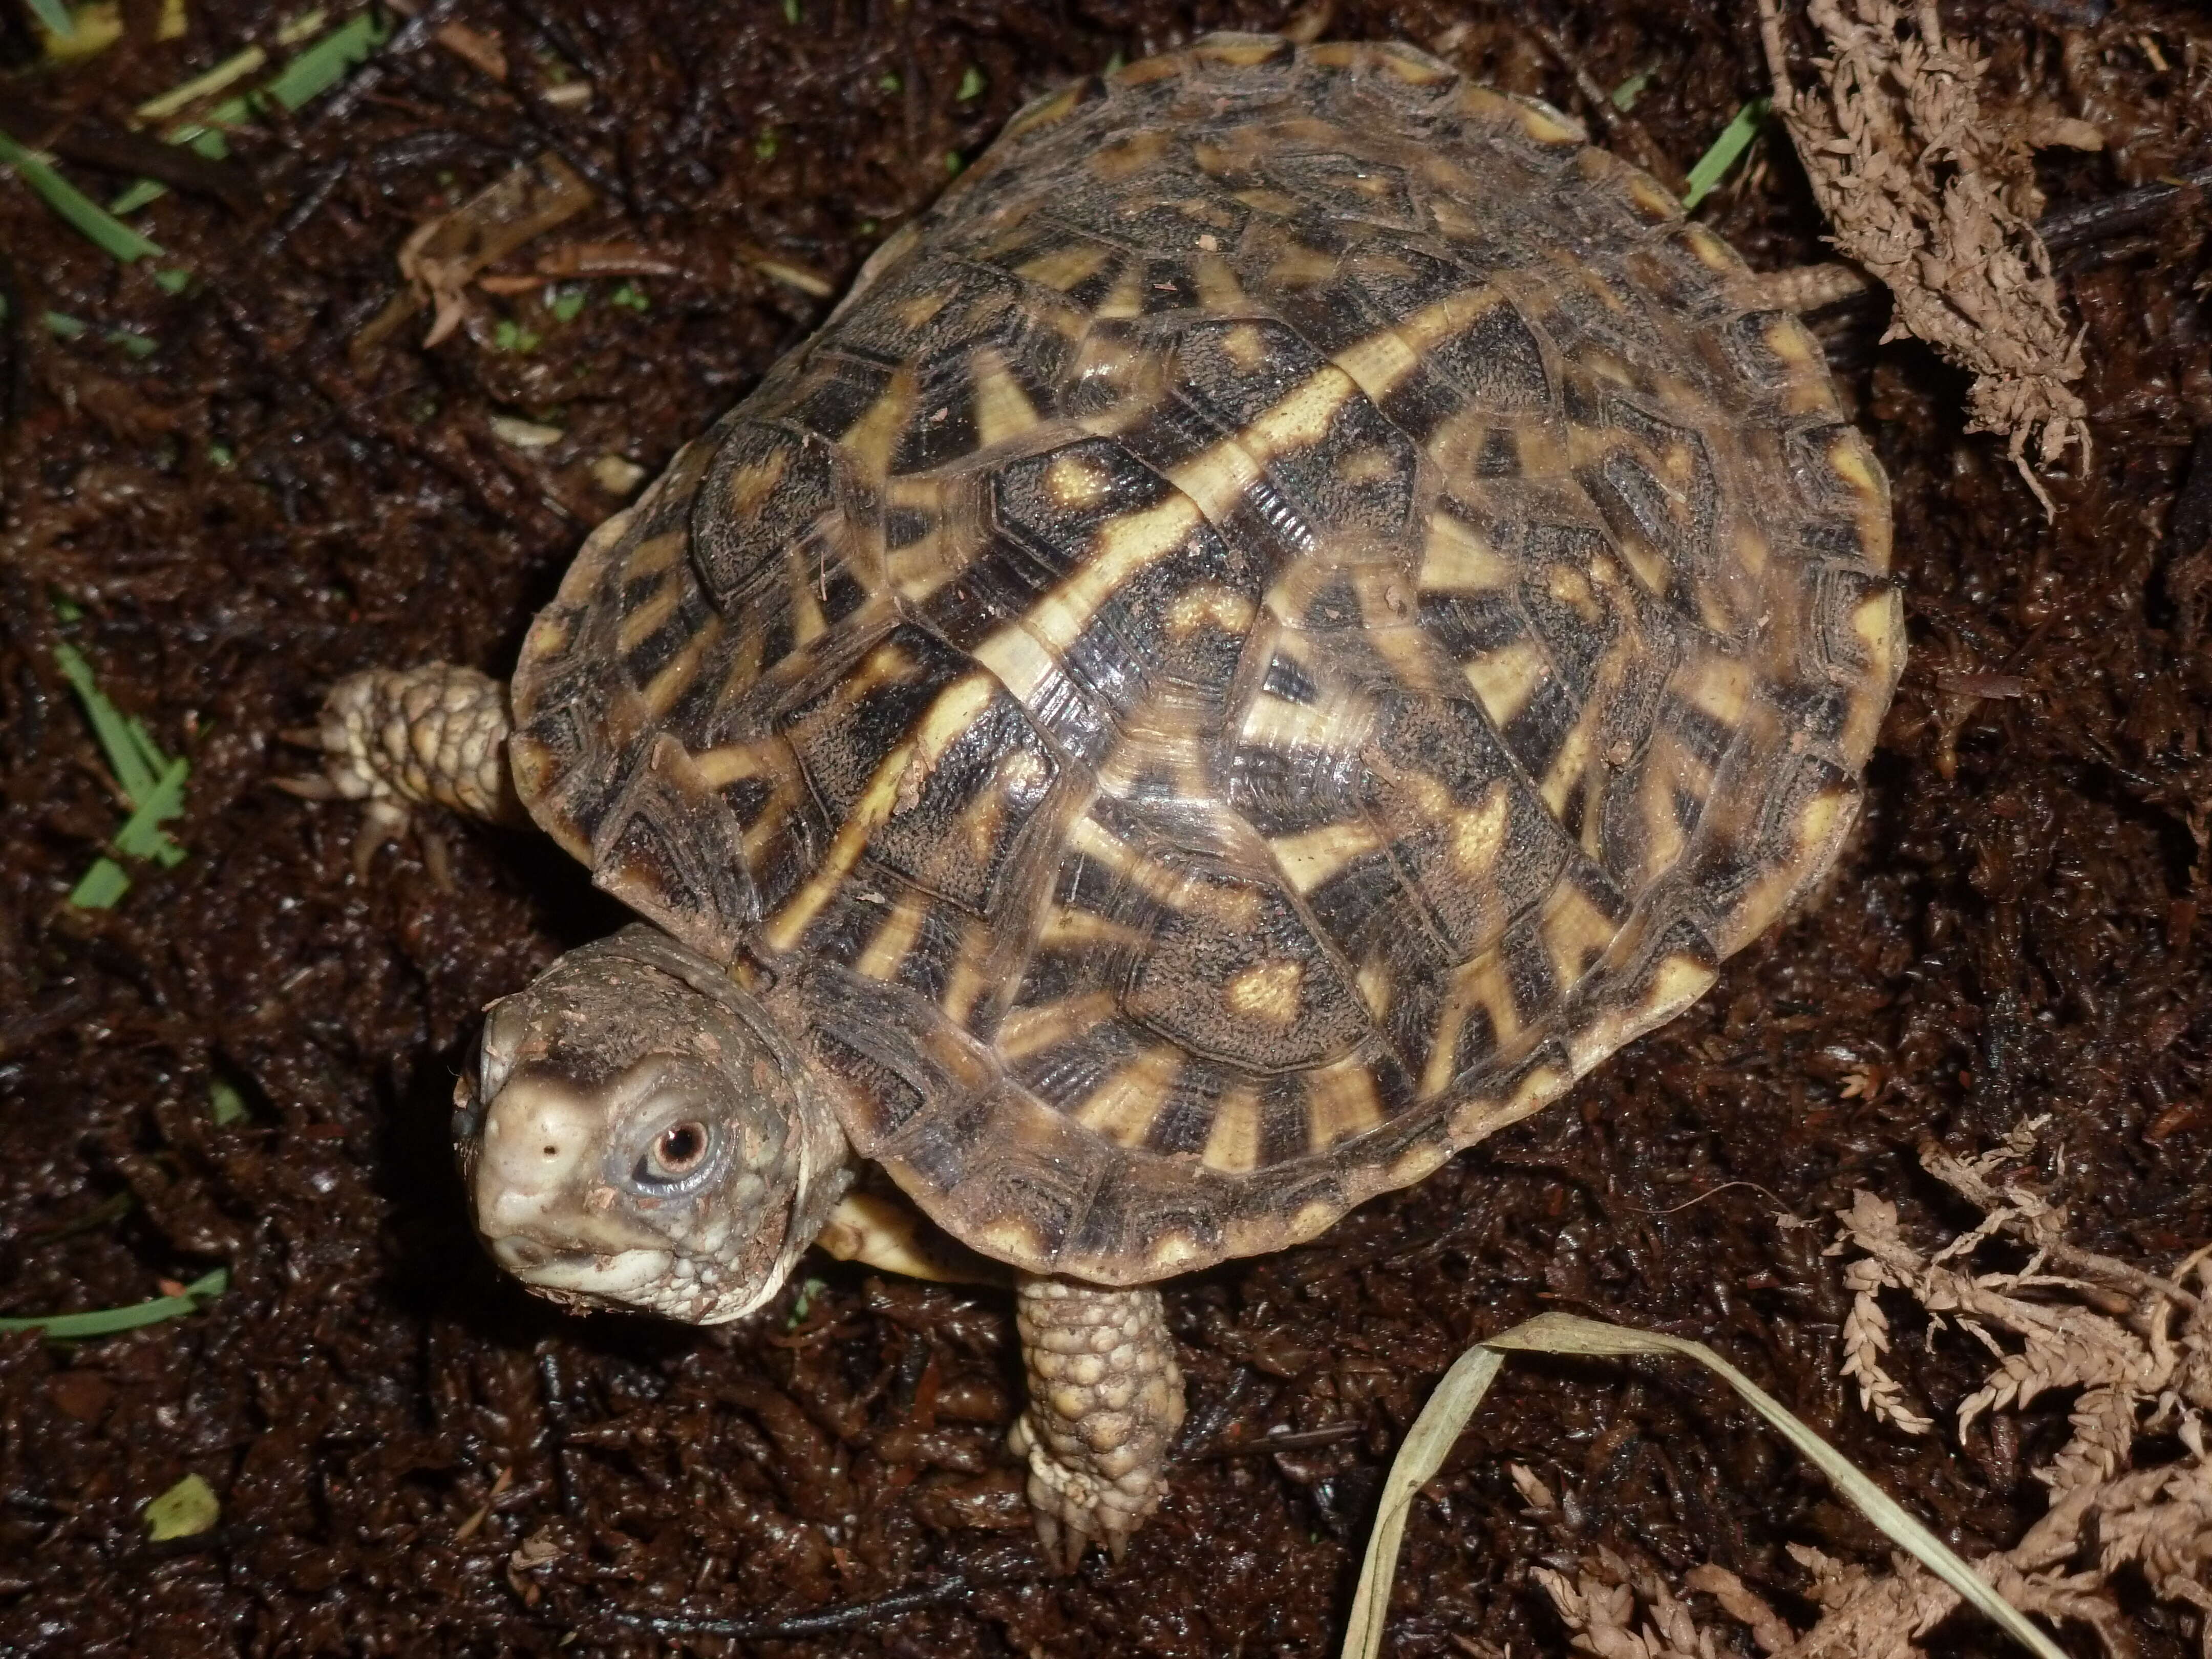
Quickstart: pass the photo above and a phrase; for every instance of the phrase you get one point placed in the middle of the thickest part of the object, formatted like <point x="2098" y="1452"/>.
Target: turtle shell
<point x="1295" y="611"/>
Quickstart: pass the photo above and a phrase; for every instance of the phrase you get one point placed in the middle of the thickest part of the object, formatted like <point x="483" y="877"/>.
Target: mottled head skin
<point x="638" y="1136"/>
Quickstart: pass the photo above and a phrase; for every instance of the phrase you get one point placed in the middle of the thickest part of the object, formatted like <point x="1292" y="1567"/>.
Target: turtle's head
<point x="639" y="1135"/>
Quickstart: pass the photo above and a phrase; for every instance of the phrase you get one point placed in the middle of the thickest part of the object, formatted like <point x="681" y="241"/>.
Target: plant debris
<point x="107" y="1322"/>
<point x="188" y="1508"/>
<point x="448" y="253"/>
<point x="2129" y="1493"/>
<point x="1939" y="200"/>
<point x="1460" y="1395"/>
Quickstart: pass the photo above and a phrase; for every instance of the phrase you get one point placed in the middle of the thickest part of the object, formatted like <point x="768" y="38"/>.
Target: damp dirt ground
<point x="413" y="1456"/>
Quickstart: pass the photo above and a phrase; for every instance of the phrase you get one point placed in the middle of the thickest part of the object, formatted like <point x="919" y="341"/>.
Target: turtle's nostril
<point x="538" y="1136"/>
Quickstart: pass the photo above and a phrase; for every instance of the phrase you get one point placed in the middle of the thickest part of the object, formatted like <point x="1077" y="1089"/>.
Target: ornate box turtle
<point x="1294" y="612"/>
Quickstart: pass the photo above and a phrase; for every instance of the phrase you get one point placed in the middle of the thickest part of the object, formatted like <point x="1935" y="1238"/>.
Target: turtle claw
<point x="382" y="821"/>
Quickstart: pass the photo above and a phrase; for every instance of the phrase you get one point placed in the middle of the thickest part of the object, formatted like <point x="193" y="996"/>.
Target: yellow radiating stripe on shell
<point x="871" y="440"/>
<point x="1232" y="1143"/>
<point x="893" y="940"/>
<point x="1721" y="686"/>
<point x="1026" y="1031"/>
<point x="971" y="978"/>
<point x="1126" y="297"/>
<point x="1574" y="929"/>
<point x="1478" y="832"/>
<point x="1456" y="559"/>
<point x="1003" y="409"/>
<point x="1123" y="1107"/>
<point x="1385" y="358"/>
<point x="1067" y="928"/>
<point x="1219" y="290"/>
<point x="1314" y="856"/>
<point x="1024" y="654"/>
<point x="655" y="555"/>
<point x="1568" y="764"/>
<point x="1481" y="983"/>
<point x="1064" y="267"/>
<point x="1341" y="1102"/>
<point x="640" y="622"/>
<point x="675" y="677"/>
<point x="1506" y="678"/>
<point x="951" y="714"/>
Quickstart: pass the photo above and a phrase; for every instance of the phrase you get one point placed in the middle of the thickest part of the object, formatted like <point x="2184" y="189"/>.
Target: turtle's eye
<point x="677" y="1151"/>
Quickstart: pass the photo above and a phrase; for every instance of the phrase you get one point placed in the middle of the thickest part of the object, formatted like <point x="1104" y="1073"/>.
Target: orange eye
<point x="679" y="1149"/>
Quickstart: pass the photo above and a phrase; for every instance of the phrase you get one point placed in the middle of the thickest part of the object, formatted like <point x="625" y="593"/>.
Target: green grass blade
<point x="107" y="1320"/>
<point x="236" y="67"/>
<point x="149" y="750"/>
<point x="100" y="887"/>
<point x="53" y="17"/>
<point x="126" y="749"/>
<point x="122" y="243"/>
<point x="227" y="1103"/>
<point x="313" y="72"/>
<point x="1727" y="149"/>
<point x="1625" y="95"/>
<point x="324" y="64"/>
<point x="141" y="836"/>
<point x="136" y="196"/>
<point x="153" y="782"/>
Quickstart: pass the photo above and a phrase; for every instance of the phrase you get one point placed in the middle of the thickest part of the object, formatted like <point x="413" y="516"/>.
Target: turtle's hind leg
<point x="399" y="739"/>
<point x="1105" y="1401"/>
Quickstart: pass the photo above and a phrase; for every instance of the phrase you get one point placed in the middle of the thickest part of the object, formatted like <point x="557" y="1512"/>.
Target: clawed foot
<point x="1105" y="1400"/>
<point x="396" y="740"/>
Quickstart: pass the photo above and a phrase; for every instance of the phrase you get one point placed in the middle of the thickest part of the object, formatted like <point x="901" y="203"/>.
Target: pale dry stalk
<point x="1939" y="203"/>
<point x="2138" y="1345"/>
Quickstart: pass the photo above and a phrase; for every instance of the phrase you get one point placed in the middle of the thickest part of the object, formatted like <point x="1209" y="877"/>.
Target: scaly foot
<point x="1105" y="1400"/>
<point x="398" y="738"/>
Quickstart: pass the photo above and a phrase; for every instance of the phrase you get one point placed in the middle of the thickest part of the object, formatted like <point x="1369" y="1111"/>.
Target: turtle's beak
<point x="541" y="1200"/>
<point x="539" y="1143"/>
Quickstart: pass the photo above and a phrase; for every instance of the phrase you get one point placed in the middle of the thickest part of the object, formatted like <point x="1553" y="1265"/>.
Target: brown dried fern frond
<point x="1939" y="202"/>
<point x="2138" y="1346"/>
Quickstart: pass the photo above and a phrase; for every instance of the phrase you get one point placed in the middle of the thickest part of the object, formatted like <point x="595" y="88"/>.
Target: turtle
<point x="1294" y="611"/>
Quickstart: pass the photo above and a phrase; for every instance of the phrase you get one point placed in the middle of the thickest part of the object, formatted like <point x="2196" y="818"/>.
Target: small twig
<point x="1290" y="1440"/>
<point x="1616" y="123"/>
<point x="411" y="37"/>
<point x="2114" y="216"/>
<point x="320" y="184"/>
<point x="855" y="1616"/>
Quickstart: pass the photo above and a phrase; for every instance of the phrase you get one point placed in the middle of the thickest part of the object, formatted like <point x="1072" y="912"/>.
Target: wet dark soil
<point x="412" y="1456"/>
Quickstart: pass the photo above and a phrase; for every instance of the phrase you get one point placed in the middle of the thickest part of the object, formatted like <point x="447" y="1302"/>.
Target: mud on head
<point x="638" y="1136"/>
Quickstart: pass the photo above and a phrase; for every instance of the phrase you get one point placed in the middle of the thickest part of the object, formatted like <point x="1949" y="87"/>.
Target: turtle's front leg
<point x="1105" y="1400"/>
<point x="398" y="738"/>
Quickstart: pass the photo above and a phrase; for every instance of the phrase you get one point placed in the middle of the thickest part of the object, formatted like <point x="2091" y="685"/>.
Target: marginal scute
<point x="1294" y="612"/>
